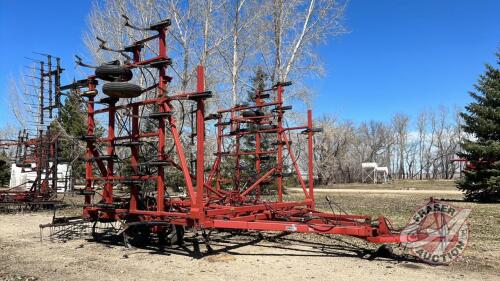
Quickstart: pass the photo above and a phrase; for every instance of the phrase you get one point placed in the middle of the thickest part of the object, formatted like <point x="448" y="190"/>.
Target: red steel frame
<point x="42" y="150"/>
<point x="208" y="204"/>
<point x="39" y="151"/>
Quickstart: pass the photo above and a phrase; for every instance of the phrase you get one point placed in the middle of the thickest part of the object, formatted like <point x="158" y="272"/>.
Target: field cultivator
<point x="129" y="166"/>
<point x="35" y="180"/>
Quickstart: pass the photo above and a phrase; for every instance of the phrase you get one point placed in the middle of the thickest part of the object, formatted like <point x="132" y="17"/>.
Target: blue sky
<point x="399" y="56"/>
<point x="405" y="56"/>
<point x="21" y="34"/>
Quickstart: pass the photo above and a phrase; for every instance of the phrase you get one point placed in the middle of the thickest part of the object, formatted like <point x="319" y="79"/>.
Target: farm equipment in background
<point x="34" y="174"/>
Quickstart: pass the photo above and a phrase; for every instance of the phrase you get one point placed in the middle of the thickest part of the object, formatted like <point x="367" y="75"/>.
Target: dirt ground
<point x="244" y="257"/>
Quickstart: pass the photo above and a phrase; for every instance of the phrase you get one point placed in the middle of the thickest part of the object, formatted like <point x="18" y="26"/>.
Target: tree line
<point x="424" y="147"/>
<point x="230" y="38"/>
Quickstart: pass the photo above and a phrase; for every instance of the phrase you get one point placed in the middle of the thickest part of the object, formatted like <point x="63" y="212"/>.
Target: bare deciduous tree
<point x="230" y="38"/>
<point x="400" y="124"/>
<point x="422" y="135"/>
<point x="424" y="151"/>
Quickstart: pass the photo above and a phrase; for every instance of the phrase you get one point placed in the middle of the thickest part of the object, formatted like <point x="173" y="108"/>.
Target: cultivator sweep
<point x="129" y="166"/>
<point x="35" y="186"/>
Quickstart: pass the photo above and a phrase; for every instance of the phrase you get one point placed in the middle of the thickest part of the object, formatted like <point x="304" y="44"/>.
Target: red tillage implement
<point x="37" y="158"/>
<point x="33" y="156"/>
<point x="219" y="198"/>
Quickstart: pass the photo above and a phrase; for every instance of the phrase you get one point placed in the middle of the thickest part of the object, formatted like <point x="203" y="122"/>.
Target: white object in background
<point x="22" y="178"/>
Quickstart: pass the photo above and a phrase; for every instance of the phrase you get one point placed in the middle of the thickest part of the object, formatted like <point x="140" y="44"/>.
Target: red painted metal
<point x="310" y="156"/>
<point x="39" y="154"/>
<point x="200" y="143"/>
<point x="279" y="168"/>
<point x="218" y="200"/>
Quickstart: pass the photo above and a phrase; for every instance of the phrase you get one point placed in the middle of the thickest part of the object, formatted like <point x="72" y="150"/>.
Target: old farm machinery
<point x="34" y="174"/>
<point x="130" y="163"/>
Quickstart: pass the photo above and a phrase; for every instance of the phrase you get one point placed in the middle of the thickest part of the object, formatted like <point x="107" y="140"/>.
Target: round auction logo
<point x="438" y="233"/>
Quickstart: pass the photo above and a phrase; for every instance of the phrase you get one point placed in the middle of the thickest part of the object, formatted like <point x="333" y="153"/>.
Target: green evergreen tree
<point x="248" y="163"/>
<point x="73" y="116"/>
<point x="481" y="181"/>
<point x="258" y="84"/>
<point x="4" y="169"/>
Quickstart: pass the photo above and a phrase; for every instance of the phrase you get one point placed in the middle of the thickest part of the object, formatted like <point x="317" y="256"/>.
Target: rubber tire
<point x="179" y="235"/>
<point x="266" y="127"/>
<point x="259" y="113"/>
<point x="121" y="90"/>
<point x="113" y="73"/>
<point x="96" y="236"/>
<point x="172" y="236"/>
<point x="248" y="113"/>
<point x="137" y="236"/>
<point x="385" y="251"/>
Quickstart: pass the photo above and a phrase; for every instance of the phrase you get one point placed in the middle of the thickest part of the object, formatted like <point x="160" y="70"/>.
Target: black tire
<point x="171" y="235"/>
<point x="384" y="251"/>
<point x="248" y="113"/>
<point x="267" y="127"/>
<point x="121" y="90"/>
<point x="259" y="113"/>
<point x="96" y="235"/>
<point x="179" y="235"/>
<point x="137" y="236"/>
<point x="113" y="73"/>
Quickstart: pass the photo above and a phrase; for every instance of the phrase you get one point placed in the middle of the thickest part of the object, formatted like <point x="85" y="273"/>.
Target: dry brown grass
<point x="402" y="184"/>
<point x="483" y="252"/>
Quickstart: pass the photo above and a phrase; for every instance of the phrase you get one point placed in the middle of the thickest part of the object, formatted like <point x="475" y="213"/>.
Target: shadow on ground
<point x="194" y="246"/>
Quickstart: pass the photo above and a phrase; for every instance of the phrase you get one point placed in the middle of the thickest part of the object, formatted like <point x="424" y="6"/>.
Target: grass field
<point x="483" y="252"/>
<point x="399" y="185"/>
